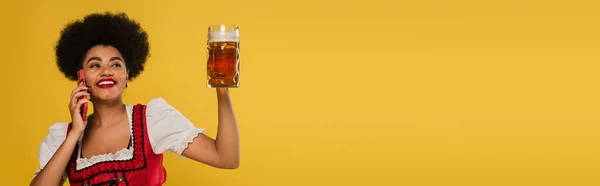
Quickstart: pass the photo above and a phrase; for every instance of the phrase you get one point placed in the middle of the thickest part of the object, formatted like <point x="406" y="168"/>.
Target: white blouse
<point x="168" y="131"/>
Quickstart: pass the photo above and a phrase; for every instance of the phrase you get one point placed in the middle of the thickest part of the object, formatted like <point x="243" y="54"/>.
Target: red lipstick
<point x="106" y="83"/>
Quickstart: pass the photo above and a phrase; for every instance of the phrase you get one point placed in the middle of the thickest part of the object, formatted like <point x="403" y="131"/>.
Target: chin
<point x="103" y="98"/>
<point x="107" y="94"/>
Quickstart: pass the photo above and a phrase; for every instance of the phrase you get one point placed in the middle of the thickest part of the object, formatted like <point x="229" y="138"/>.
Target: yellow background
<point x="451" y="93"/>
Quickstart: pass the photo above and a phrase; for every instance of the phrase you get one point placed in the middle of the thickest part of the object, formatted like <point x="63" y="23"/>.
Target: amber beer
<point x="223" y="56"/>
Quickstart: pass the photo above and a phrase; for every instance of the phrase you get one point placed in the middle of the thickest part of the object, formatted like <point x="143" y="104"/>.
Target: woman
<point x="122" y="144"/>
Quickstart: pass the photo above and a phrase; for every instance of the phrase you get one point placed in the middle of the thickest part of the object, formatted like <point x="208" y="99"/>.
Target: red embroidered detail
<point x="107" y="171"/>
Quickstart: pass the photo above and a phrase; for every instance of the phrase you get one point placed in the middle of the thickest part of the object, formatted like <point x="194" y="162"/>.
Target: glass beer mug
<point x="223" y="47"/>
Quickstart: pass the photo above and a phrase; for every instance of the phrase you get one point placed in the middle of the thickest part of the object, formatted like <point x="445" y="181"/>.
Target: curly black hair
<point x="108" y="29"/>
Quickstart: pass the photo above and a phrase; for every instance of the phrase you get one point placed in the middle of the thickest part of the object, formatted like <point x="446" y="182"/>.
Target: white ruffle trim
<point x="123" y="154"/>
<point x="187" y="138"/>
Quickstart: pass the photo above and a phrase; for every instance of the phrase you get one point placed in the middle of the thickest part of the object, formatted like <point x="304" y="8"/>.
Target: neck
<point x="108" y="113"/>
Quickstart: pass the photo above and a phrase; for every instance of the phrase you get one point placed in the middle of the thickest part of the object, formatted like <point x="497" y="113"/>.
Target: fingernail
<point x="88" y="86"/>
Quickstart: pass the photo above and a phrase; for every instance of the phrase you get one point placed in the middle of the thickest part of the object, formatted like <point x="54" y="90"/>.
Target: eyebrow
<point x="115" y="58"/>
<point x="93" y="58"/>
<point x="98" y="58"/>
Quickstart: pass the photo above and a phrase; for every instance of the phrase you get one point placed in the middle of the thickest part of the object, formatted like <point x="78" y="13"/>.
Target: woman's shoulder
<point x="58" y="129"/>
<point x="153" y="102"/>
<point x="57" y="133"/>
<point x="157" y="101"/>
<point x="158" y="106"/>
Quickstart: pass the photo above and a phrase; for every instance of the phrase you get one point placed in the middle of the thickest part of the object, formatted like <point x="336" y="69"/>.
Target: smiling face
<point x="105" y="72"/>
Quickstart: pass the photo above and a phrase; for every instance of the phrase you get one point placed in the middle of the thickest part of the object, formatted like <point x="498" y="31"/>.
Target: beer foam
<point x="223" y="36"/>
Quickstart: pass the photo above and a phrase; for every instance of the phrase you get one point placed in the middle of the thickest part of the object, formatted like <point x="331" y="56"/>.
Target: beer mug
<point x="223" y="47"/>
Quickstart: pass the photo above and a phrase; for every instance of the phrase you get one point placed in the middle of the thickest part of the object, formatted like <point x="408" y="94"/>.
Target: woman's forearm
<point x="52" y="173"/>
<point x="227" y="140"/>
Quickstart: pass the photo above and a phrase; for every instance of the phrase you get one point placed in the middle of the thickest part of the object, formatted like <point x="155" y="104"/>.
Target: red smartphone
<point x="81" y="82"/>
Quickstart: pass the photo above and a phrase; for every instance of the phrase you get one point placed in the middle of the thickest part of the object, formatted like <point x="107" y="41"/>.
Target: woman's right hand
<point x="78" y="98"/>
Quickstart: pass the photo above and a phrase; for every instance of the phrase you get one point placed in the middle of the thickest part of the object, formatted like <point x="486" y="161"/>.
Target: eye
<point x="116" y="65"/>
<point x="95" y="65"/>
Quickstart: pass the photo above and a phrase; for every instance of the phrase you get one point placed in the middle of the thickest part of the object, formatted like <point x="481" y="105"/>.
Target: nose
<point x="106" y="72"/>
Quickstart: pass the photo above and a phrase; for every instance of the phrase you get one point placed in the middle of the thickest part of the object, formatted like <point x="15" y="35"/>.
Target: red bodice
<point x="144" y="168"/>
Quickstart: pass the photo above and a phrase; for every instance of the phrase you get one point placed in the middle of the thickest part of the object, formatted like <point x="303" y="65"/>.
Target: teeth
<point x="106" y="83"/>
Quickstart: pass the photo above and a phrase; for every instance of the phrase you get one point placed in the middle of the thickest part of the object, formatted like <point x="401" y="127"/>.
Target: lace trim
<point x="187" y="138"/>
<point x="123" y="154"/>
